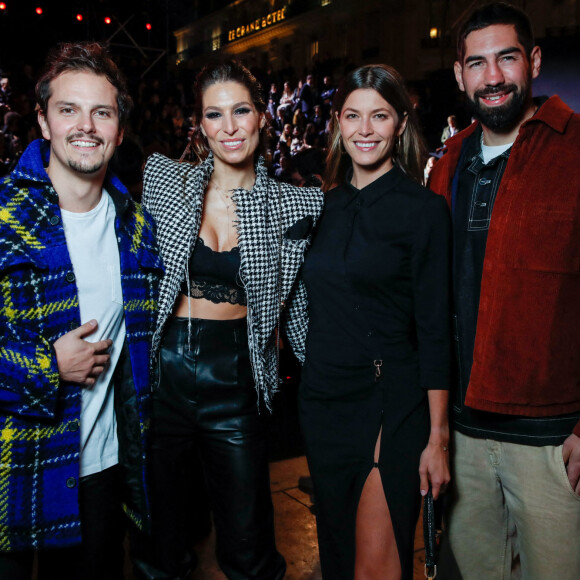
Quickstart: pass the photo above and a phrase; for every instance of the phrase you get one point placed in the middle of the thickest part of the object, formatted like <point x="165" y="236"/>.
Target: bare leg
<point x="377" y="557"/>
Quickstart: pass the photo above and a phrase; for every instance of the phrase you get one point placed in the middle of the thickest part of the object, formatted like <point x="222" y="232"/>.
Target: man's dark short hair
<point x="84" y="57"/>
<point x="496" y="13"/>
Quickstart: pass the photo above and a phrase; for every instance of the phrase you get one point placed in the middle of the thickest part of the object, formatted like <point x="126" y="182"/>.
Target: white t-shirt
<point x="92" y="244"/>
<point x="489" y="152"/>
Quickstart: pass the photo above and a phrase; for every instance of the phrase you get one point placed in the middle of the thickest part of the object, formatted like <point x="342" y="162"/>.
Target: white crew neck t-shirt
<point x="489" y="152"/>
<point x="92" y="244"/>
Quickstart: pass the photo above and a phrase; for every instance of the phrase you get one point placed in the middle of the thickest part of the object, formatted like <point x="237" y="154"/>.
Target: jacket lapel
<point x="177" y="208"/>
<point x="258" y="228"/>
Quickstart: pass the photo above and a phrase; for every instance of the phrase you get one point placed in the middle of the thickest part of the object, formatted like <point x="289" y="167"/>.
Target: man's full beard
<point x="504" y="118"/>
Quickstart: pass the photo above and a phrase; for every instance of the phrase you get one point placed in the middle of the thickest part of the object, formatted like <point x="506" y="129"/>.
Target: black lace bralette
<point x="214" y="275"/>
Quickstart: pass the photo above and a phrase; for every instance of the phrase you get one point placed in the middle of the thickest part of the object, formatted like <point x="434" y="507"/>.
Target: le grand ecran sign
<point x="258" y="24"/>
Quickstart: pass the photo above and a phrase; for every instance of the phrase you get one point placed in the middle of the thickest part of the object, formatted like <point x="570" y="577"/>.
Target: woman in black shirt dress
<point x="373" y="399"/>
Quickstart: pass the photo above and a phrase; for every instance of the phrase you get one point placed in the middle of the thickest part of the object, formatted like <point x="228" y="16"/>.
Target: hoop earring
<point x="397" y="147"/>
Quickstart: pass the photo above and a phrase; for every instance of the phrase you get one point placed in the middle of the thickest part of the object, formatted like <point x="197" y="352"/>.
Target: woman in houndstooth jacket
<point x="232" y="241"/>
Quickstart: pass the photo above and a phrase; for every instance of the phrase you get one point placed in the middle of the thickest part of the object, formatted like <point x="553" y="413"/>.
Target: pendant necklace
<point x="226" y="196"/>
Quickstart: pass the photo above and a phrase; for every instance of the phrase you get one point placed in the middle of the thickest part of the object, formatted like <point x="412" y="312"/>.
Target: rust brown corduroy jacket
<point x="527" y="348"/>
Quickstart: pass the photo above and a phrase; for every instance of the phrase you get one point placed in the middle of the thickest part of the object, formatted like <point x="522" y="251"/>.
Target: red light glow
<point x="80" y="17"/>
<point x="39" y="11"/>
<point x="148" y="26"/>
<point x="2" y="6"/>
<point x="107" y="20"/>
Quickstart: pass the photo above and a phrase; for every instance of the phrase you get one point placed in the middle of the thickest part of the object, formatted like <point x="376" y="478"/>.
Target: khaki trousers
<point x="512" y="513"/>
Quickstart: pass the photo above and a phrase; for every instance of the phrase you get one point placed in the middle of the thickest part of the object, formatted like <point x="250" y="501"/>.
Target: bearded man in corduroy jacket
<point x="512" y="180"/>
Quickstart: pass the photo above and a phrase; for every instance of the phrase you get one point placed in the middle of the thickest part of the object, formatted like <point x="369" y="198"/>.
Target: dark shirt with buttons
<point x="477" y="187"/>
<point x="377" y="282"/>
<point x="472" y="206"/>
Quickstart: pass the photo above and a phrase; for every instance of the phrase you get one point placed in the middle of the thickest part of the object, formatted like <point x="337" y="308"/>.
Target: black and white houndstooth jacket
<point x="173" y="193"/>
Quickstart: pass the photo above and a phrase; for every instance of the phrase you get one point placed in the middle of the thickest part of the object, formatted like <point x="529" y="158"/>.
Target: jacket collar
<point x="553" y="112"/>
<point x="32" y="167"/>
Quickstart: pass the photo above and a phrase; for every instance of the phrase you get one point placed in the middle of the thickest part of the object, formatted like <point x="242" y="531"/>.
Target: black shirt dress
<point x="377" y="277"/>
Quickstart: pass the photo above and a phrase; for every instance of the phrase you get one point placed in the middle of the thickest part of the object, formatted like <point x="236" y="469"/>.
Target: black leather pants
<point x="205" y="413"/>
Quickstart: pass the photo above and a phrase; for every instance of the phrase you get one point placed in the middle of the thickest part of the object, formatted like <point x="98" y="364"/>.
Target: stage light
<point x="80" y="17"/>
<point x="107" y="20"/>
<point x="148" y="26"/>
<point x="39" y="11"/>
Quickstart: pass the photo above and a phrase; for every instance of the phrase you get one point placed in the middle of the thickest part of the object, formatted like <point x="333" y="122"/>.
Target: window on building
<point x="313" y="48"/>
<point x="216" y="38"/>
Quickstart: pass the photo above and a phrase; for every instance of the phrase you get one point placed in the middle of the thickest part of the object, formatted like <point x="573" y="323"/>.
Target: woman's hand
<point x="434" y="463"/>
<point x="434" y="467"/>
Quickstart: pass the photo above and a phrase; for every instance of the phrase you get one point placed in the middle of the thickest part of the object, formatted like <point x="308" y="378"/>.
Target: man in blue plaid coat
<point x="79" y="273"/>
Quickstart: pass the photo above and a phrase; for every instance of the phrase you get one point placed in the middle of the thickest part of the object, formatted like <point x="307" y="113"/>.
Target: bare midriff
<point x="201" y="308"/>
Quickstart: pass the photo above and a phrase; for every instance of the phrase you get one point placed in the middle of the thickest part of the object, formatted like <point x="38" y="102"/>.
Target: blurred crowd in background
<point x="298" y="111"/>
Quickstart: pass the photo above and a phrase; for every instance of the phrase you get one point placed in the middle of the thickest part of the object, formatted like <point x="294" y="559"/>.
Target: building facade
<point x="415" y="36"/>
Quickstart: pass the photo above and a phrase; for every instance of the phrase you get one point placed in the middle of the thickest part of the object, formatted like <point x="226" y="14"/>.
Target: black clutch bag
<point x="432" y="529"/>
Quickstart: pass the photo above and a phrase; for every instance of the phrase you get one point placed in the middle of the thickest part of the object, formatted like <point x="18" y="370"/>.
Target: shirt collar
<point x="375" y="190"/>
<point x="473" y="155"/>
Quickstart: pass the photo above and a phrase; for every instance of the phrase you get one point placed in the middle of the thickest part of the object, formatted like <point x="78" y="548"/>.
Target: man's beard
<point x="84" y="167"/>
<point x="504" y="118"/>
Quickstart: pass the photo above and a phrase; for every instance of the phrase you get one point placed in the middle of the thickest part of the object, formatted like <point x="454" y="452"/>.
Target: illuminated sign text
<point x="258" y="24"/>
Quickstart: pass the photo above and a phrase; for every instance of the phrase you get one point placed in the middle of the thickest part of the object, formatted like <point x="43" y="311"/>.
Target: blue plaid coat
<point x="39" y="413"/>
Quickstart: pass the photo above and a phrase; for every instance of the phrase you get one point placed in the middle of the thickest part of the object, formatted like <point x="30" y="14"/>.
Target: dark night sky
<point x="26" y="36"/>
